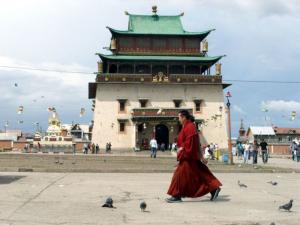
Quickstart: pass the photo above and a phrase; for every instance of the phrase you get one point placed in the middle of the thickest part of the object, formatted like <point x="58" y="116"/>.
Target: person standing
<point x="240" y="150"/>
<point x="264" y="150"/>
<point x="255" y="151"/>
<point x="293" y="148"/>
<point x="85" y="147"/>
<point x="246" y="152"/>
<point x="97" y="149"/>
<point x="153" y="146"/>
<point x="192" y="178"/>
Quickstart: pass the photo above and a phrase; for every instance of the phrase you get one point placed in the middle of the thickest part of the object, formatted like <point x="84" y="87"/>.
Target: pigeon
<point x="108" y="203"/>
<point x="16" y="85"/>
<point x="143" y="206"/>
<point x="287" y="206"/>
<point x="57" y="161"/>
<point x="272" y="223"/>
<point x="242" y="185"/>
<point x="274" y="183"/>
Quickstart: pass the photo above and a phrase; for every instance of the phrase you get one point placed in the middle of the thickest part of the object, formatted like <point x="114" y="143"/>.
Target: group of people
<point x="250" y="150"/>
<point x="295" y="150"/>
<point x="154" y="146"/>
<point x="209" y="151"/>
<point x="95" y="149"/>
<point x="91" y="147"/>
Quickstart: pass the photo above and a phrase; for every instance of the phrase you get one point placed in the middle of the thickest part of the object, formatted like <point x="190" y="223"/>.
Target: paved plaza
<point x="76" y="198"/>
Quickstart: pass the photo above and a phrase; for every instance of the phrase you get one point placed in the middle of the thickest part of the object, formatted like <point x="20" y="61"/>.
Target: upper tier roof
<point x="157" y="25"/>
<point x="160" y="58"/>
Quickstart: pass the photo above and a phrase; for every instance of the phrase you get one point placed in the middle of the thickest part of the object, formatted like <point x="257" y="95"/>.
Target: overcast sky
<point x="259" y="37"/>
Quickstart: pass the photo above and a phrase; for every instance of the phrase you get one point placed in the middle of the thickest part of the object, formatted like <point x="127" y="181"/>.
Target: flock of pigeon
<point x="109" y="204"/>
<point x="285" y="207"/>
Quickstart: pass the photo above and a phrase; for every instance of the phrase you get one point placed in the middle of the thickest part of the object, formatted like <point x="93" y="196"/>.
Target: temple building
<point x="155" y="69"/>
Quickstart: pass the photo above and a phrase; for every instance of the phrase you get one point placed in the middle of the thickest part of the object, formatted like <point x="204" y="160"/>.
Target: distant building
<point x="261" y="132"/>
<point x="286" y="135"/>
<point x="279" y="139"/>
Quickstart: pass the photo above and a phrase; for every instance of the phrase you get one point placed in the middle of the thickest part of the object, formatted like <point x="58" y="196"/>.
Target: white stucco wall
<point x="106" y="114"/>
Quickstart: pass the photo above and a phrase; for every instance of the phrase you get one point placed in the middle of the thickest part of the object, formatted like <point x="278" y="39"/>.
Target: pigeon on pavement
<point x="242" y="185"/>
<point x="108" y="203"/>
<point x="274" y="183"/>
<point x="287" y="206"/>
<point x="143" y="206"/>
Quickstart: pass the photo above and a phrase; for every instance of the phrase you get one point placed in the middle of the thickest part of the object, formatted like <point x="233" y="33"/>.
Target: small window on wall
<point x="122" y="105"/>
<point x="177" y="103"/>
<point x="143" y="103"/>
<point x="198" y="104"/>
<point x="121" y="126"/>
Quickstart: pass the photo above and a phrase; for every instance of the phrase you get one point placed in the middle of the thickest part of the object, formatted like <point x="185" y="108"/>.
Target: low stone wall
<point x="6" y="145"/>
<point x="279" y="149"/>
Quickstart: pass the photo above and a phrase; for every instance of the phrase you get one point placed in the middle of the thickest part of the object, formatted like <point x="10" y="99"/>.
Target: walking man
<point x="153" y="146"/>
<point x="192" y="178"/>
<point x="255" y="151"/>
<point x="264" y="150"/>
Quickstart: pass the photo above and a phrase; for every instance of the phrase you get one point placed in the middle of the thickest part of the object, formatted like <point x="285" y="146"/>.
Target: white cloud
<point x="37" y="90"/>
<point x="281" y="105"/>
<point x="238" y="109"/>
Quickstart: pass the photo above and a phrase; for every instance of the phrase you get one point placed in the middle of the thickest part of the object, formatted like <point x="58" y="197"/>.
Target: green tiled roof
<point x="160" y="58"/>
<point x="156" y="24"/>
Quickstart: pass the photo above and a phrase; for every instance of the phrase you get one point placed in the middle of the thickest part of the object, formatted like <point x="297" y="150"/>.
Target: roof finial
<point x="154" y="10"/>
<point x="126" y="13"/>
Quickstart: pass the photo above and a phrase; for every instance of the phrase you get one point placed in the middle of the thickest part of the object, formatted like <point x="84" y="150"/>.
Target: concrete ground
<point x="76" y="198"/>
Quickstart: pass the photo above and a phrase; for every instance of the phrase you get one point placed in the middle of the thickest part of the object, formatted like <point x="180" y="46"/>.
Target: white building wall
<point x="106" y="114"/>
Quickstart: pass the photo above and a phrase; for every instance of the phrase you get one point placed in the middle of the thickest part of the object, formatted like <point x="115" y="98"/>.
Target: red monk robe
<point x="192" y="178"/>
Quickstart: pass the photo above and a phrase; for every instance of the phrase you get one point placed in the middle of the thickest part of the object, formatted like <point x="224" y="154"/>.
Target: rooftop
<point x="264" y="130"/>
<point x="286" y="130"/>
<point x="161" y="58"/>
<point x="157" y="24"/>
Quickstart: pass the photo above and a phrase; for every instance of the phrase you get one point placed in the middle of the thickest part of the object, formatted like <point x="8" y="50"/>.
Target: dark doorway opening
<point x="162" y="135"/>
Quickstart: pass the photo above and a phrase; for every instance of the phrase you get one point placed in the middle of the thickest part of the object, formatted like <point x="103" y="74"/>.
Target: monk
<point x="192" y="178"/>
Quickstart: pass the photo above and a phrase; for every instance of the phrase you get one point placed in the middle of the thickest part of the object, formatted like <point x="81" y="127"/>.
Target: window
<point x="176" y="69"/>
<point x="126" y="42"/>
<point x="192" y="43"/>
<point x="198" y="104"/>
<point x="192" y="69"/>
<point x="126" y="68"/>
<point x="175" y="43"/>
<point x="121" y="126"/>
<point x="143" y="42"/>
<point x="159" y="43"/>
<point x="122" y="105"/>
<point x="143" y="103"/>
<point x="177" y="103"/>
<point x="280" y="139"/>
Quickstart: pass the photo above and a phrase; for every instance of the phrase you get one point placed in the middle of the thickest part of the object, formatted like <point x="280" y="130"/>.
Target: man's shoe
<point x="215" y="194"/>
<point x="173" y="200"/>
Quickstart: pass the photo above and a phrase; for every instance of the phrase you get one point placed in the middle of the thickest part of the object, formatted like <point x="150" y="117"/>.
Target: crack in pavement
<point x="36" y="196"/>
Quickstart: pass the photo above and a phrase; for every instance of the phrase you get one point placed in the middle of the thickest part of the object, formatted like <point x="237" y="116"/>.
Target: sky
<point x="259" y="37"/>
